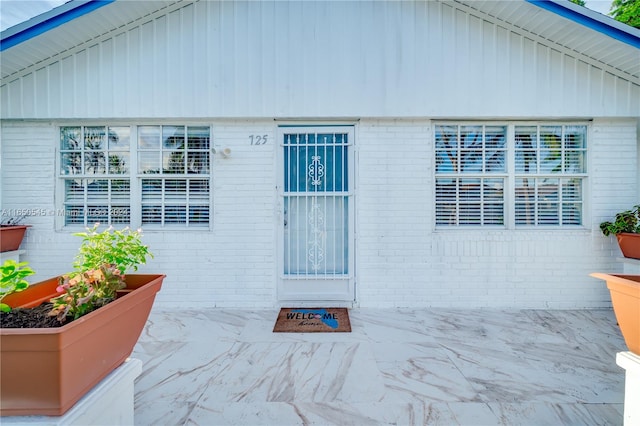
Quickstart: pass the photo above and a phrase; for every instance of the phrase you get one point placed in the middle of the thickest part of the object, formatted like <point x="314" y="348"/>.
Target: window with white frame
<point x="167" y="184"/>
<point x="550" y="165"/>
<point x="470" y="174"/>
<point x="531" y="173"/>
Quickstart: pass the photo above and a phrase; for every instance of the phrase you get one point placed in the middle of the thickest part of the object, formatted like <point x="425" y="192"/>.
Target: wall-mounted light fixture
<point x="225" y="152"/>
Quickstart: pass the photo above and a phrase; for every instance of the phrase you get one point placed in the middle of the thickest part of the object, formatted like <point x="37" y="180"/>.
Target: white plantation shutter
<point x="470" y="174"/>
<point x="550" y="166"/>
<point x="172" y="171"/>
<point x="547" y="174"/>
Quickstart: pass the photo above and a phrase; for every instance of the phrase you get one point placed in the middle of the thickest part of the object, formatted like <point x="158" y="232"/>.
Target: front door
<point x="317" y="218"/>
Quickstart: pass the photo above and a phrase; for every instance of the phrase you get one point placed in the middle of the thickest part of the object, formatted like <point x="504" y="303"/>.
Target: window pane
<point x="446" y="149"/>
<point x="98" y="190"/>
<point x="548" y="189"/>
<point x="152" y="190"/>
<point x="173" y="137"/>
<point x="198" y="138"/>
<point x="493" y="214"/>
<point x="470" y="161"/>
<point x="173" y="162"/>
<point x="469" y="190"/>
<point x="550" y="149"/>
<point x="94" y="163"/>
<point x="471" y="137"/>
<point x="119" y="138"/>
<point x="97" y="213"/>
<point x="572" y="214"/>
<point x="120" y="214"/>
<point x="175" y="214"/>
<point x="574" y="162"/>
<point x="470" y="149"/>
<point x="548" y="214"/>
<point x="74" y="215"/>
<point x="94" y="138"/>
<point x="74" y="191"/>
<point x="70" y="138"/>
<point x="119" y="162"/>
<point x="151" y="214"/>
<point x="446" y="190"/>
<point x="175" y="190"/>
<point x="199" y="190"/>
<point x="575" y="137"/>
<point x="495" y="148"/>
<point x="526" y="144"/>
<point x="120" y="190"/>
<point x="198" y="214"/>
<point x="71" y="163"/>
<point x="198" y="162"/>
<point x="149" y="162"/>
<point x="149" y="137"/>
<point x="446" y="214"/>
<point x="572" y="190"/>
<point x="469" y="214"/>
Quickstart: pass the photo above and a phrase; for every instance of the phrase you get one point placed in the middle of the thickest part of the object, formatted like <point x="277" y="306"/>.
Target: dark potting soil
<point x="37" y="317"/>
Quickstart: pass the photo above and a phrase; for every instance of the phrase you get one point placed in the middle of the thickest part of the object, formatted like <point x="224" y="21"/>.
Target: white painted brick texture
<point x="401" y="259"/>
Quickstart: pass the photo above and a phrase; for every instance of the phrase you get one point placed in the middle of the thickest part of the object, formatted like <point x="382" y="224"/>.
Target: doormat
<point x="312" y="320"/>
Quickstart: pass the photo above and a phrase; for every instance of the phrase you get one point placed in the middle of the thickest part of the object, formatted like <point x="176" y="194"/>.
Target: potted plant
<point x="87" y="326"/>
<point x="625" y="297"/>
<point x="12" y="233"/>
<point x="13" y="280"/>
<point x="626" y="228"/>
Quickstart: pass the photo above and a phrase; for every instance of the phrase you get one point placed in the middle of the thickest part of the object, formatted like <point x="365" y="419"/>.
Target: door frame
<point x="339" y="291"/>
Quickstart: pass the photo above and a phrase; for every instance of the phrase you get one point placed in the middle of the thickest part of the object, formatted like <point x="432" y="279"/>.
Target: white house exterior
<point x="361" y="153"/>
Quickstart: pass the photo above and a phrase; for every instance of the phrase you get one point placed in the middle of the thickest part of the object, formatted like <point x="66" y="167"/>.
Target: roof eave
<point x="594" y="20"/>
<point x="47" y="21"/>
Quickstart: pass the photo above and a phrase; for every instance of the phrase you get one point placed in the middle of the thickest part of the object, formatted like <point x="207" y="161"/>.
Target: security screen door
<point x="316" y="226"/>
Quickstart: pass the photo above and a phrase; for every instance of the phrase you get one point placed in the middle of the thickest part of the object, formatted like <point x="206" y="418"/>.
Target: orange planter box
<point x="11" y="237"/>
<point x="625" y="297"/>
<point x="629" y="244"/>
<point x="45" y="371"/>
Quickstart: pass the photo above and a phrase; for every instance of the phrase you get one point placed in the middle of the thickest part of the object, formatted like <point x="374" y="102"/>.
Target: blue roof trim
<point x="48" y="23"/>
<point x="595" y="22"/>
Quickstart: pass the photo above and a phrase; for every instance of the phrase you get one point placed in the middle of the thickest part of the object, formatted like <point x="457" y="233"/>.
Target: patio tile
<point x="408" y="367"/>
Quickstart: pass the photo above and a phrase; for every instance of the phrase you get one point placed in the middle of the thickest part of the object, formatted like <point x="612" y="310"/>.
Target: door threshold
<point x="316" y="304"/>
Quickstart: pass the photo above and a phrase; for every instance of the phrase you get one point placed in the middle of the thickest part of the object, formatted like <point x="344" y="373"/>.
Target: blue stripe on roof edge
<point x="594" y="24"/>
<point x="53" y="22"/>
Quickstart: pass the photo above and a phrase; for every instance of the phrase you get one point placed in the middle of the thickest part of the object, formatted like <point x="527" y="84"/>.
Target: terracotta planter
<point x="625" y="297"/>
<point x="45" y="371"/>
<point x="629" y="245"/>
<point x="11" y="237"/>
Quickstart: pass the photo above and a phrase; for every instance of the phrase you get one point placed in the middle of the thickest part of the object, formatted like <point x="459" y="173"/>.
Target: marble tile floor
<point x="397" y="367"/>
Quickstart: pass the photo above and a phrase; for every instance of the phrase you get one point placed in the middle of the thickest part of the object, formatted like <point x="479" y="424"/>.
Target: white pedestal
<point x="15" y="255"/>
<point x="630" y="266"/>
<point x="631" y="363"/>
<point x="110" y="402"/>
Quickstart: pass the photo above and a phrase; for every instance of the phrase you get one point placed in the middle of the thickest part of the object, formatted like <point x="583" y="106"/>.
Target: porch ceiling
<point x="77" y="33"/>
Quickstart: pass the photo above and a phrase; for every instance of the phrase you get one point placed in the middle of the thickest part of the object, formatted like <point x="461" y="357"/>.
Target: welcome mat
<point x="312" y="320"/>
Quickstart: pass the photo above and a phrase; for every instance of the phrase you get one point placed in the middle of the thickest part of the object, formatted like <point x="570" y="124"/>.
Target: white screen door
<point x="316" y="226"/>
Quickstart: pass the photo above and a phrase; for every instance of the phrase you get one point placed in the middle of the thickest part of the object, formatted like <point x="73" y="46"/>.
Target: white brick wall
<point x="401" y="260"/>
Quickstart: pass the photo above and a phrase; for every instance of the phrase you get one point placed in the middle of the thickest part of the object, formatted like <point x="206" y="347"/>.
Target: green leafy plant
<point x="102" y="260"/>
<point x="122" y="248"/>
<point x="13" y="280"/>
<point x="627" y="221"/>
<point x="86" y="291"/>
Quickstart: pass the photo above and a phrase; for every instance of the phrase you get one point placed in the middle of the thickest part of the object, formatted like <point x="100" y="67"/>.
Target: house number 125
<point x="258" y="139"/>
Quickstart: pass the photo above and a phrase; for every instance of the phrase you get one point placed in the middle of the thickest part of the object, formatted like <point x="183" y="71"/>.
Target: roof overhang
<point x="591" y="19"/>
<point x="47" y="21"/>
